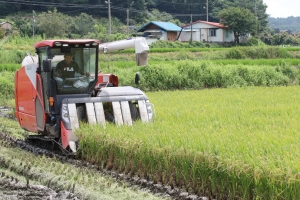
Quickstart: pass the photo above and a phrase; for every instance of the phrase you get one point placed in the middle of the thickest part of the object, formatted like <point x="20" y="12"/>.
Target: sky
<point x="283" y="8"/>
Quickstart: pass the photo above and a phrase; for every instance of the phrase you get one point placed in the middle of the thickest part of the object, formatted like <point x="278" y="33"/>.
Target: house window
<point x="213" y="32"/>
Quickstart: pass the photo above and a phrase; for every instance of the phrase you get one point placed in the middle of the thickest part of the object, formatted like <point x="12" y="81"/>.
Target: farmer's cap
<point x="67" y="54"/>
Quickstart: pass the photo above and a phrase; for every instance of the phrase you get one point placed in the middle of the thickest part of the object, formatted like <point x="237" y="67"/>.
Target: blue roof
<point x="167" y="26"/>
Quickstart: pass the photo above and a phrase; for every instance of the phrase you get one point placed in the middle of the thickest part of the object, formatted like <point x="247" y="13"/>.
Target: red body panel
<point x="108" y="78"/>
<point x="24" y="92"/>
<point x="26" y="97"/>
<point x="64" y="135"/>
<point x="67" y="136"/>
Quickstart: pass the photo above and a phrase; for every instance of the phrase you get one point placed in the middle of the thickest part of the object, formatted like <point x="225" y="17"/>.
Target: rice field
<point x="230" y="143"/>
<point x="223" y="143"/>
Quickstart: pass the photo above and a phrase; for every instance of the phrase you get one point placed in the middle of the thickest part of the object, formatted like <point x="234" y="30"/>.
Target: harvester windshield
<point x="74" y="71"/>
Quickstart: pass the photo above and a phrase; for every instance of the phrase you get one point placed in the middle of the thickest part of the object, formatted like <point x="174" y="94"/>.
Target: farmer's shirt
<point x="68" y="70"/>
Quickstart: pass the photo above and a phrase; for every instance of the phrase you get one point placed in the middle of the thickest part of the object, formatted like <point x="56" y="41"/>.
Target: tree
<point x="257" y="7"/>
<point x="240" y="20"/>
<point x="155" y="15"/>
<point x="24" y="24"/>
<point x="53" y="24"/>
<point x="84" y="24"/>
<point x="284" y="39"/>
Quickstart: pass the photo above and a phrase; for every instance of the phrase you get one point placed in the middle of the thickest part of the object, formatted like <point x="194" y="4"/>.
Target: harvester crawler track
<point x="49" y="143"/>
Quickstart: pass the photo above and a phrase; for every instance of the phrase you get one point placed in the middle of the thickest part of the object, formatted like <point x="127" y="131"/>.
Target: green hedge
<point x="204" y="74"/>
<point x="257" y="53"/>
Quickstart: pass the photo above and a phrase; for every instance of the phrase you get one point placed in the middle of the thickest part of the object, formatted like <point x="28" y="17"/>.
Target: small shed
<point x="6" y="25"/>
<point x="156" y="30"/>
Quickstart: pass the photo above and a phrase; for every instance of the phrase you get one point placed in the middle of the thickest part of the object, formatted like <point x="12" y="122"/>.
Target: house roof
<point x="167" y="26"/>
<point x="4" y="23"/>
<point x="209" y="23"/>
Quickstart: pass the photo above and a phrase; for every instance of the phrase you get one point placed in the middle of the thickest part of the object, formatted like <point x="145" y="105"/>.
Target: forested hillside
<point x="289" y="23"/>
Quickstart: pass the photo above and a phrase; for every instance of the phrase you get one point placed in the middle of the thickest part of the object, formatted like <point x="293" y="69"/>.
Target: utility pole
<point x="33" y="21"/>
<point x="191" y="21"/>
<point x="127" y="21"/>
<point x="256" y="17"/>
<point x="191" y="27"/>
<point x="109" y="17"/>
<point x="207" y="10"/>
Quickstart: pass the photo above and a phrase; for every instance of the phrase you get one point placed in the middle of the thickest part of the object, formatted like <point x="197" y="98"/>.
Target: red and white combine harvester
<point x="52" y="105"/>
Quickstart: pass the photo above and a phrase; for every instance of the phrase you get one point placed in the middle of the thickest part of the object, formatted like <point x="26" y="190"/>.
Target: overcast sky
<point x="283" y="8"/>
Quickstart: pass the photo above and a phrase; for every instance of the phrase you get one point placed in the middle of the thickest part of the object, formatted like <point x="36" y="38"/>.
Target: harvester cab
<point x="61" y="86"/>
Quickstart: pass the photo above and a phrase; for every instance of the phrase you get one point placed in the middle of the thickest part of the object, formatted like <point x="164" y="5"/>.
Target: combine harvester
<point x="52" y="105"/>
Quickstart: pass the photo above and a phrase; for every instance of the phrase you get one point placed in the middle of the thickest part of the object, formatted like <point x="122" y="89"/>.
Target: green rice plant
<point x="9" y="67"/>
<point x="17" y="42"/>
<point x="12" y="56"/>
<point x="223" y="143"/>
<point x="272" y="62"/>
<point x="6" y="85"/>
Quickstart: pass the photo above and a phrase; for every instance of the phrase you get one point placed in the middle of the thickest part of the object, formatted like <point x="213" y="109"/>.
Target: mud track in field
<point x="10" y="188"/>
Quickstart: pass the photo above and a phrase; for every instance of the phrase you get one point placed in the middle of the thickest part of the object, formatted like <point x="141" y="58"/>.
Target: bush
<point x="182" y="75"/>
<point x="235" y="53"/>
<point x="252" y="41"/>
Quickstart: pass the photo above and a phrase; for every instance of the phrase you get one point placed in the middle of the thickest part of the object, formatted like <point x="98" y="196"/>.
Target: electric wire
<point x="86" y="6"/>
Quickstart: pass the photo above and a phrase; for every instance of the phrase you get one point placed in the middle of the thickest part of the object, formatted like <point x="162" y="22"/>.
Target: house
<point x="6" y="25"/>
<point x="156" y="30"/>
<point x="205" y="31"/>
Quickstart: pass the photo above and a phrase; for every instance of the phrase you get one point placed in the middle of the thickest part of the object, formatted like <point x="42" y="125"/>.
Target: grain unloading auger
<point x="52" y="94"/>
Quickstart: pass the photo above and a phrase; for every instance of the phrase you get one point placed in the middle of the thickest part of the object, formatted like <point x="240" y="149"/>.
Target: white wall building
<point x="206" y="32"/>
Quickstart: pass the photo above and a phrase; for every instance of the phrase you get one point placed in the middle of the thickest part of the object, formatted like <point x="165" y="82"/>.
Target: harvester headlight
<point x="65" y="107"/>
<point x="94" y="44"/>
<point x="58" y="44"/>
<point x="149" y="108"/>
<point x="65" y="113"/>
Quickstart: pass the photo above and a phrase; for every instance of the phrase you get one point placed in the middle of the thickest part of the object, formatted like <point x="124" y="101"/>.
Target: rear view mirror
<point x="47" y="65"/>
<point x="137" y="78"/>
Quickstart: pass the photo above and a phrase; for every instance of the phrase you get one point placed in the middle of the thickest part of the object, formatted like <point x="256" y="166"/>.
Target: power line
<point x="189" y="4"/>
<point x="86" y="6"/>
<point x="47" y="4"/>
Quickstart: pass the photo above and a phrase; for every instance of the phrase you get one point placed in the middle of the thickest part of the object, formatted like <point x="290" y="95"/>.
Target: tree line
<point x="89" y="18"/>
<point x="138" y="9"/>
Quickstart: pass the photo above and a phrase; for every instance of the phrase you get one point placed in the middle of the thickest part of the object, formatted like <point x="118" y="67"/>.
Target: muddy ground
<point x="12" y="189"/>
